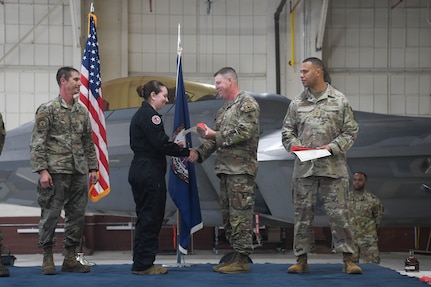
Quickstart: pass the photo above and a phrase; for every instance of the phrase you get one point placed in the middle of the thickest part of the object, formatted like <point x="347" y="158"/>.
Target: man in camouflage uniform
<point x="320" y="118"/>
<point x="366" y="212"/>
<point x="62" y="152"/>
<point x="235" y="137"/>
<point x="4" y="272"/>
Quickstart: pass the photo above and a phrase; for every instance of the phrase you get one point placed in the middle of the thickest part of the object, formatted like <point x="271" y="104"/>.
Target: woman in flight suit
<point x="150" y="145"/>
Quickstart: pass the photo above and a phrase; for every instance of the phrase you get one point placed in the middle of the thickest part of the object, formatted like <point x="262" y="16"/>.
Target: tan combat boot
<point x="70" y="264"/>
<point x="238" y="265"/>
<point x="153" y="270"/>
<point x="301" y="265"/>
<point x="217" y="267"/>
<point x="349" y="266"/>
<point x="48" y="267"/>
<point x="4" y="272"/>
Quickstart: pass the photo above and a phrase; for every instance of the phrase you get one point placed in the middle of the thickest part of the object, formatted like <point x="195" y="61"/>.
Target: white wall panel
<point x="366" y="58"/>
<point x="411" y="84"/>
<point x="31" y="55"/>
<point x="425" y="56"/>
<point x="40" y="83"/>
<point x="412" y="104"/>
<point x="380" y="85"/>
<point x="380" y="58"/>
<point x="353" y="85"/>
<point x="221" y="60"/>
<point x="163" y="44"/>
<point x="424" y="37"/>
<point x="398" y="104"/>
<point x="247" y="7"/>
<point x="12" y="119"/>
<point x="27" y="104"/>
<point x="366" y="84"/>
<point x="366" y="103"/>
<point x="425" y="85"/>
<point x="12" y="103"/>
<point x="397" y="58"/>
<point x="26" y="82"/>
<point x="163" y="62"/>
<point x="245" y="64"/>
<point x="380" y="38"/>
<point x="26" y="55"/>
<point x="12" y="33"/>
<point x="397" y="84"/>
<point x="246" y="45"/>
<point x="145" y="62"/>
<point x="412" y="57"/>
<point x="55" y="57"/>
<point x="12" y="84"/>
<point x="11" y="14"/>
<point x="225" y="36"/>
<point x="381" y="18"/>
<point x="259" y="67"/>
<point x="424" y="104"/>
<point x="380" y="103"/>
<point x="372" y="51"/>
<point x="395" y="40"/>
<point x="41" y="34"/>
<point x="259" y="85"/>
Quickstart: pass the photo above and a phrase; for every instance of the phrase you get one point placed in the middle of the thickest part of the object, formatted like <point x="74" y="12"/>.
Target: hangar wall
<point x="378" y="53"/>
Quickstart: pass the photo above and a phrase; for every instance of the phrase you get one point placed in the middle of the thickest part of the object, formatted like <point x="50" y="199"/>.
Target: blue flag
<point x="182" y="176"/>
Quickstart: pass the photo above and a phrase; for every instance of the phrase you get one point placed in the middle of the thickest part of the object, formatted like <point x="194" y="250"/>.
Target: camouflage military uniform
<point x="2" y="134"/>
<point x="366" y="212"/>
<point x="237" y="127"/>
<point x="2" y="140"/>
<point x="62" y="143"/>
<point x="313" y="122"/>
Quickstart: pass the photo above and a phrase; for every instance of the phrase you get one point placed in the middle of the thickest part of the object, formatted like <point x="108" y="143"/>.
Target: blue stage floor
<point x="269" y="269"/>
<point x="201" y="275"/>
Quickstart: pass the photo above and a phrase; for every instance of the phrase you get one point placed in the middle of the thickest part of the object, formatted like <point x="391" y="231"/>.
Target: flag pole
<point x="178" y="232"/>
<point x="179" y="48"/>
<point x="179" y="52"/>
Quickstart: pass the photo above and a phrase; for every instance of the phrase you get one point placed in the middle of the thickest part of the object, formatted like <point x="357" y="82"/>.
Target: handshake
<point x="204" y="132"/>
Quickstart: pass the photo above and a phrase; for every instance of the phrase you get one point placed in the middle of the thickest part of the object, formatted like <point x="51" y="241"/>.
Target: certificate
<point x="309" y="154"/>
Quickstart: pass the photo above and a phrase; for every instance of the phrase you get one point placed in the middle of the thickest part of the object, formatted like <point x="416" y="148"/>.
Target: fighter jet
<point x="393" y="150"/>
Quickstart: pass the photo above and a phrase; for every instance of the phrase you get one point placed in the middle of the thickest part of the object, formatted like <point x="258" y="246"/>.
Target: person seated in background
<point x="366" y="212"/>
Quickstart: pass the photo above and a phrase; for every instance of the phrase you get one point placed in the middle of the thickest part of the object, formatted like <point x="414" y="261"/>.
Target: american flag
<point x="90" y="96"/>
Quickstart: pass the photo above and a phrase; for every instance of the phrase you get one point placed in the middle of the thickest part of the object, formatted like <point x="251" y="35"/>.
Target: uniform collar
<point x="147" y="105"/>
<point x="235" y="100"/>
<point x="325" y="95"/>
<point x="64" y="104"/>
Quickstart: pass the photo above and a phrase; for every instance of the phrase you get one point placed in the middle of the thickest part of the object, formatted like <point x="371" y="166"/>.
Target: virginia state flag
<point x="182" y="176"/>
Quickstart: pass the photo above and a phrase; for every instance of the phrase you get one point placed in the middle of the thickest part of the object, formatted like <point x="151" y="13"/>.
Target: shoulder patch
<point x="41" y="120"/>
<point x="156" y="120"/>
<point x="248" y="107"/>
